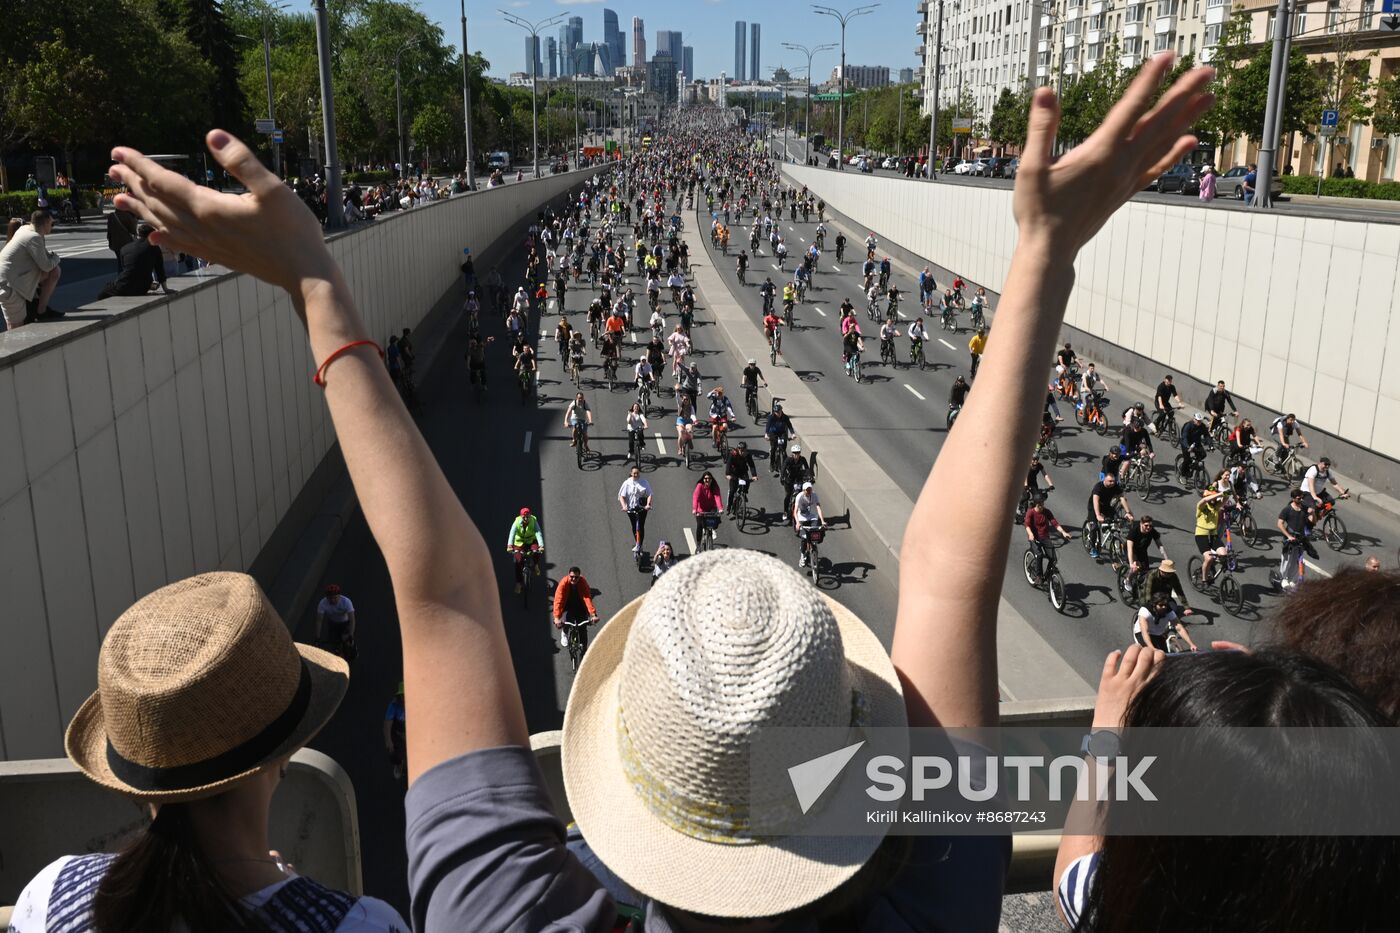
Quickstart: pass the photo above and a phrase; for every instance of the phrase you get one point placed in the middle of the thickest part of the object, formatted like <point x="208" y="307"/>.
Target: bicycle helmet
<point x="794" y="449"/>
<point x="1038" y="499"/>
<point x="752" y="361"/>
<point x="1198" y="417"/>
<point x="524" y="513"/>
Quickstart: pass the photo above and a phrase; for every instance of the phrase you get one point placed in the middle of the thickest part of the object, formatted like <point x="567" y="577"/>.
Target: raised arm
<point x="955" y="547"/>
<point x="460" y="683"/>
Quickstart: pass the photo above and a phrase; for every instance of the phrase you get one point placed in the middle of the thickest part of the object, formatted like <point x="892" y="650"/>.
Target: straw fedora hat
<point x="1167" y="565"/>
<point x="200" y="685"/>
<point x="658" y="728"/>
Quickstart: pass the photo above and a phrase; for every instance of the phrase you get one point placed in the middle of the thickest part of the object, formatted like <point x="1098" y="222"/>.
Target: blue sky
<point x="883" y="37"/>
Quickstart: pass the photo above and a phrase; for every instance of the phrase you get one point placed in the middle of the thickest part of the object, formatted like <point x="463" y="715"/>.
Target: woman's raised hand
<point x="267" y="232"/>
<point x="1059" y="206"/>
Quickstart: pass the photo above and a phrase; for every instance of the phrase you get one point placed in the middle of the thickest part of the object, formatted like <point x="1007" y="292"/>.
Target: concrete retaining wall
<point x="144" y="442"/>
<point x="1294" y="314"/>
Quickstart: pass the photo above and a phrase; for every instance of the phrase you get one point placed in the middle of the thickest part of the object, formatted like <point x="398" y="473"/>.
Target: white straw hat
<point x="663" y="710"/>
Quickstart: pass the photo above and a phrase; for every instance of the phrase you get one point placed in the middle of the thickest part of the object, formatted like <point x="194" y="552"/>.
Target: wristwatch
<point x="1101" y="743"/>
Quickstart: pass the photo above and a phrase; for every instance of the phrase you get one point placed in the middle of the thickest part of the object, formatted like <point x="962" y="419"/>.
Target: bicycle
<point x="853" y="366"/>
<point x="644" y="396"/>
<point x="1023" y="503"/>
<point x="529" y="563"/>
<point x="634" y="514"/>
<point x="1227" y="590"/>
<point x="1042" y="571"/>
<point x="578" y="640"/>
<point x="526" y="380"/>
<point x="341" y="640"/>
<point x="1191" y="472"/>
<point x="1089" y="413"/>
<point x="580" y="445"/>
<point x="576" y="368"/>
<point x="916" y="354"/>
<point x="610" y="371"/>
<point x="1048" y="448"/>
<point x="979" y="320"/>
<point x="596" y="333"/>
<point x="1129" y="585"/>
<point x="719" y="433"/>
<point x="811" y="535"/>
<point x="751" y="400"/>
<point x="1165" y="420"/>
<point x="953" y="412"/>
<point x="788" y="313"/>
<point x="887" y="356"/>
<point x="1331" y="527"/>
<point x="948" y="319"/>
<point x="686" y="444"/>
<point x="635" y="444"/>
<point x="709" y="521"/>
<point x="775" y="346"/>
<point x="1297" y="569"/>
<point x="1287" y="464"/>
<point x="1138" y="475"/>
<point x="739" y="504"/>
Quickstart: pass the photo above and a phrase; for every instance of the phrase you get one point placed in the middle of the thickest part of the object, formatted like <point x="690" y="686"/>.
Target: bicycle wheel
<point x="1176" y="644"/>
<point x="1249" y="530"/>
<point x="1182" y="476"/>
<point x="1100" y="424"/>
<point x="1253" y="477"/>
<point x="772" y="353"/>
<point x="1267" y="459"/>
<point x="1231" y="594"/>
<point x="688" y="446"/>
<point x="1051" y="451"/>
<point x="813" y="560"/>
<point x="1193" y="570"/>
<point x="1335" y="531"/>
<point x="525" y="583"/>
<point x="1088" y="536"/>
<point x="576" y="647"/>
<point x="1081" y="416"/>
<point x="578" y="449"/>
<point x="1145" y="481"/>
<point x="1028" y="566"/>
<point x="1127" y="592"/>
<point x="1057" y="590"/>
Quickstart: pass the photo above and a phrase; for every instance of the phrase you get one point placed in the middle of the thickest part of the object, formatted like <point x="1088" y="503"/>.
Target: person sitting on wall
<point x="140" y="261"/>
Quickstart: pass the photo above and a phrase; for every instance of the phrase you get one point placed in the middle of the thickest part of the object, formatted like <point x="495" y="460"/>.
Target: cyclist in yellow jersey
<point x="1208" y="528"/>
<point x="976" y="346"/>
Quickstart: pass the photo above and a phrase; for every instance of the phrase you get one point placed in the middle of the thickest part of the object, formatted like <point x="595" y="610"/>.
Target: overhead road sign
<point x="265" y="126"/>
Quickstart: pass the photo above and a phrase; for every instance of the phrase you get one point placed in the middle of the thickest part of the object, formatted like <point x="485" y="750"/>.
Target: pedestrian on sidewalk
<point x="121" y="230"/>
<point x="1207" y="182"/>
<point x="28" y="274"/>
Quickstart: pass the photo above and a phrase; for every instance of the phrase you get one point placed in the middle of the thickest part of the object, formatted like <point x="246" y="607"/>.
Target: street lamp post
<point x="1273" y="109"/>
<point x="807" y="126"/>
<point x="467" y="103"/>
<point x="933" y="107"/>
<point x="843" y="19"/>
<point x="335" y="208"/>
<point x="533" y="31"/>
<point x="398" y="104"/>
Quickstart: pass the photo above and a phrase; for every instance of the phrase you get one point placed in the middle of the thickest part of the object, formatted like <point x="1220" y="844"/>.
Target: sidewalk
<point x="1029" y="668"/>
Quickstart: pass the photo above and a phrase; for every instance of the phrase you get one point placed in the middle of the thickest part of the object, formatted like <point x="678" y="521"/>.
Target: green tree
<point x="61" y="97"/>
<point x="1386" y="119"/>
<point x="434" y="129"/>
<point x="208" y="30"/>
<point x="1241" y="87"/>
<point x="13" y="131"/>
<point x="1009" y="117"/>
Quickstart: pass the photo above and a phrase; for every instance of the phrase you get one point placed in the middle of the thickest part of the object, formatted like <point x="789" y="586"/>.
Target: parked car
<point x="1230" y="184"/>
<point x="1177" y="178"/>
<point x="998" y="166"/>
<point x="961" y="166"/>
<point x="1009" y="169"/>
<point x="891" y="163"/>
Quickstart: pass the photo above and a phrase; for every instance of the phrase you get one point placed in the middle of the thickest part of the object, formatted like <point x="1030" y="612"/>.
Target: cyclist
<point x="636" y="421"/>
<point x="1283" y="428"/>
<point x="476" y="359"/>
<point x="888" y="332"/>
<point x="336" y="607"/>
<point x="1242" y="441"/>
<point x="739" y="465"/>
<point x="616" y="324"/>
<point x="1139" y="538"/>
<point x="1112" y="463"/>
<point x="1165" y="399"/>
<point x="979" y="306"/>
<point x="1031" y="488"/>
<point x="767" y="290"/>
<point x="840" y="248"/>
<point x="721" y="408"/>
<point x="1217" y="400"/>
<point x="1102" y="499"/>
<point x="1296" y="522"/>
<point x="976" y="346"/>
<point x="885" y="270"/>
<point x="1193" y="440"/>
<point x="679" y="346"/>
<point x="917" y="334"/>
<point x="780" y="252"/>
<point x="957" y="289"/>
<point x="789" y="296"/>
<point x="521" y="303"/>
<point x="1090" y="385"/>
<point x="525" y="365"/>
<point x="778" y="430"/>
<point x="870" y="244"/>
<point x="872" y="301"/>
<point x="1136" y="438"/>
<point x="579" y="417"/>
<point x="644" y="375"/>
<point x="578" y="344"/>
<point x="663" y="560"/>
<point x="1315" y="483"/>
<point x="706" y="498"/>
<point x="752" y="378"/>
<point x="1208" y="529"/>
<point x="806" y="515"/>
<point x="1154" y="620"/>
<point x="957" y="395"/>
<point x="742" y="264"/>
<point x="573" y="602"/>
<point x="1039" y="522"/>
<point x="852" y="345"/>
<point x="927" y="286"/>
<point x="688" y="385"/>
<point x="795" y="471"/>
<point x="563" y="335"/>
<point x="634" y="496"/>
<point x="525" y="535"/>
<point x="1163" y="580"/>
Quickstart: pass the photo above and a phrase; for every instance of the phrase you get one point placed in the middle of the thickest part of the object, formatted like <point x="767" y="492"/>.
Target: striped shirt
<point x="1073" y="889"/>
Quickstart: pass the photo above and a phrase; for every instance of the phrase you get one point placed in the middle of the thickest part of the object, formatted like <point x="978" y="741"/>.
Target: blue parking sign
<point x="1390" y="6"/>
<point x="1329" y="117"/>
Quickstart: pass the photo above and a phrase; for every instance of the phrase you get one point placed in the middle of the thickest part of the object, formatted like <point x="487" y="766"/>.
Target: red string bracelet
<point x="319" y="378"/>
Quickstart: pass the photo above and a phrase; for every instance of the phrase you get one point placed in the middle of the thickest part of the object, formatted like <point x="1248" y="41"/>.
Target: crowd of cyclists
<point x="617" y="254"/>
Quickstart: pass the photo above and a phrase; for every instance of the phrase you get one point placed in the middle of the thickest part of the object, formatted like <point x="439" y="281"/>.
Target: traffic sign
<point x="962" y="124"/>
<point x="1393" y="23"/>
<point x="265" y="126"/>
<point x="1390" y="6"/>
<point x="277" y="136"/>
<point x="1329" y="118"/>
<point x="1326" y="130"/>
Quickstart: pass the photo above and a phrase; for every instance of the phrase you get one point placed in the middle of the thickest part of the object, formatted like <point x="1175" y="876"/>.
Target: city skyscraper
<point x="551" y="52"/>
<point x="677" y="48"/>
<point x="570" y="40"/>
<point x="741" y="54"/>
<point x="533" y="65"/>
<point x="670" y="41"/>
<point x="755" y="65"/>
<point x="688" y="61"/>
<point x="613" y="39"/>
<point x="639" y="43"/>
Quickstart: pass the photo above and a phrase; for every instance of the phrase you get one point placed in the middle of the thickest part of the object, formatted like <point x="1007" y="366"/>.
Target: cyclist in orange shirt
<point x="573" y="602"/>
<point x="616" y="325"/>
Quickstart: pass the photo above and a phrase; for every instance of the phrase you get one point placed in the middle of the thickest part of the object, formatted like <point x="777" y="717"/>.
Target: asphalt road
<point x="1376" y="212"/>
<point x="899" y="416"/>
<point x="501" y="455"/>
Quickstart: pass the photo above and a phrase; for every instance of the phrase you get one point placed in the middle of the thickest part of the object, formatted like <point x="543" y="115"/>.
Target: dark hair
<point x="1352" y="622"/>
<point x="575" y="570"/>
<point x="163" y="879"/>
<point x="1156" y="884"/>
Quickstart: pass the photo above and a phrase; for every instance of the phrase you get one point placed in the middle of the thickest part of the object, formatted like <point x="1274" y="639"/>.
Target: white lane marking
<point x="820" y="311"/>
<point x="947" y="344"/>
<point x="774" y="265"/>
<point x="690" y="539"/>
<point x="660" y="444"/>
<point x="528" y="435"/>
<point x="1315" y="568"/>
<point x="803" y="239"/>
<point x="915" y="392"/>
<point x="903" y="315"/>
<point x="836" y="267"/>
<point x="65" y="251"/>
